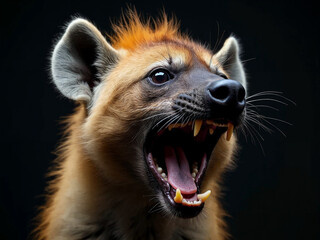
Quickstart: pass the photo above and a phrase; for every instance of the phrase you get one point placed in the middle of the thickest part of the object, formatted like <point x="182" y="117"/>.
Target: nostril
<point x="241" y="94"/>
<point x="221" y="92"/>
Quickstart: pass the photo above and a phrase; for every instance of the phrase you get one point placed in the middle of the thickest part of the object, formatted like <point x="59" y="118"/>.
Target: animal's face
<point x="158" y="115"/>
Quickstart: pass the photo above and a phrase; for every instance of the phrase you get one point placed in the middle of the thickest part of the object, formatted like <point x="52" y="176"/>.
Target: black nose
<point x="226" y="99"/>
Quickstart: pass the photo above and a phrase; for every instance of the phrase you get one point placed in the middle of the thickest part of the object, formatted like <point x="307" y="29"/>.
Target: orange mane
<point x="132" y="32"/>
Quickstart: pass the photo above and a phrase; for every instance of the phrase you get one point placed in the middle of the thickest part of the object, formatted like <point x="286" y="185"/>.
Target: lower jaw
<point x="178" y="209"/>
<point x="182" y="211"/>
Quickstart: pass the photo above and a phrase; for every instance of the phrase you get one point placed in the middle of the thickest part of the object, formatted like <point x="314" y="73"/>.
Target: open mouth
<point x="178" y="156"/>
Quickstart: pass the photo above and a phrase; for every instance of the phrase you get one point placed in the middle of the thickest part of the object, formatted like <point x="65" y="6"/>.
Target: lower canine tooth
<point x="204" y="196"/>
<point x="229" y="131"/>
<point x="178" y="198"/>
<point x="211" y="131"/>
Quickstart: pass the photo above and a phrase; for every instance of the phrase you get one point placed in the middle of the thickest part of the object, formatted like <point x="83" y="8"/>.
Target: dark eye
<point x="160" y="76"/>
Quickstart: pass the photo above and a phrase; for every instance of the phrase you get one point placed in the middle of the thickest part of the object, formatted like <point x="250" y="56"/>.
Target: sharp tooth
<point x="211" y="131"/>
<point x="204" y="196"/>
<point x="178" y="198"/>
<point x="195" y="170"/>
<point x="159" y="169"/>
<point x="229" y="131"/>
<point x="185" y="202"/>
<point x="193" y="175"/>
<point x="163" y="175"/>
<point x="197" y="127"/>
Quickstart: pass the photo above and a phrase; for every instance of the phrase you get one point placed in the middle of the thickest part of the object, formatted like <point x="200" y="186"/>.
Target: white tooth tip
<point x="159" y="169"/>
<point x="178" y="198"/>
<point x="163" y="175"/>
<point x="229" y="131"/>
<point x="191" y="203"/>
<point x="204" y="196"/>
<point x="197" y="127"/>
<point x="193" y="175"/>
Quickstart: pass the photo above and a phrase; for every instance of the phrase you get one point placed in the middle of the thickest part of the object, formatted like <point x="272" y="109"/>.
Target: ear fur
<point x="80" y="59"/>
<point x="228" y="57"/>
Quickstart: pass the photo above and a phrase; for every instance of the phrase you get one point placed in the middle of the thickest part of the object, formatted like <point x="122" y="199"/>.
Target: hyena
<point x="151" y="136"/>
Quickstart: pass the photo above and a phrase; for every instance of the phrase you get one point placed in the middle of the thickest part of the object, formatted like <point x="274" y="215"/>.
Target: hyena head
<point x="160" y="109"/>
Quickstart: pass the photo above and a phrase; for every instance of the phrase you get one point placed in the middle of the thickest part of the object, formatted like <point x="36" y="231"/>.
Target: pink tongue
<point x="179" y="175"/>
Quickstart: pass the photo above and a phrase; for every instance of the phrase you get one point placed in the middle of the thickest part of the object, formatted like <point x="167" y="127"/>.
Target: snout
<point x="226" y="99"/>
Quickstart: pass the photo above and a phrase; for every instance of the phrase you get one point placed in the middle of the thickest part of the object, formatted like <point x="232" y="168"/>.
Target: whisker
<point x="260" y="124"/>
<point x="276" y="119"/>
<point x="267" y="99"/>
<point x="165" y="125"/>
<point x="271" y="93"/>
<point x="274" y="126"/>
<point x="154" y="116"/>
<point x="261" y="106"/>
<point x="255" y="137"/>
<point x="245" y="124"/>
<point x="164" y="119"/>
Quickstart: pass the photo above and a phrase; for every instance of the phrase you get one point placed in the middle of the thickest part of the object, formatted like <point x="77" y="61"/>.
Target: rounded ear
<point x="229" y="59"/>
<point x="80" y="59"/>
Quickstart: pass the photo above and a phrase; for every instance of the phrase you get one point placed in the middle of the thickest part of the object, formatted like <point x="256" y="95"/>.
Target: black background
<point x="268" y="196"/>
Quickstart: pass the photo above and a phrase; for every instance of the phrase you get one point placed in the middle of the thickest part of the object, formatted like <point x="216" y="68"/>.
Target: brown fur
<point x="100" y="184"/>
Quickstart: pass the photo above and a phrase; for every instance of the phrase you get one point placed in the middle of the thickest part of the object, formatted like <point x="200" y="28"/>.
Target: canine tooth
<point x="178" y="198"/>
<point x="211" y="131"/>
<point x="197" y="127"/>
<point x="193" y="174"/>
<point x="159" y="169"/>
<point x="163" y="175"/>
<point x="229" y="131"/>
<point x="204" y="196"/>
